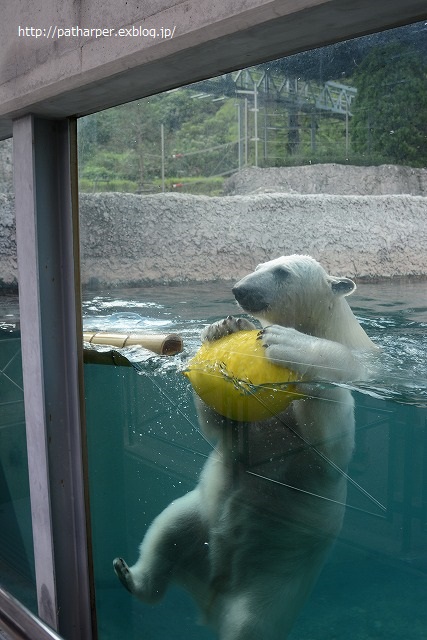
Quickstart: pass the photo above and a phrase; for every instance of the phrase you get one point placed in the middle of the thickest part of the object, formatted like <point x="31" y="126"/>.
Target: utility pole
<point x="239" y="135"/>
<point x="256" y="122"/>
<point x="162" y="142"/>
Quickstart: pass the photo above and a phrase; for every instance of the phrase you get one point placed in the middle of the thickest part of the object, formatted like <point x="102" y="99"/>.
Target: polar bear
<point x="249" y="541"/>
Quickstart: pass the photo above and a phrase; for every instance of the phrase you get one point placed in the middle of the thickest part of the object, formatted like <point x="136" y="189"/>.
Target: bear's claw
<point x="225" y="327"/>
<point x="122" y="572"/>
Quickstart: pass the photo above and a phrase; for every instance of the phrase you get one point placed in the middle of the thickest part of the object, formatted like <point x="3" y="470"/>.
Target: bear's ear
<point x="342" y="286"/>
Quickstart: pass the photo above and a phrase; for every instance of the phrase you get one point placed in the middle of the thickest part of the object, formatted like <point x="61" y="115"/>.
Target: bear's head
<point x="294" y="291"/>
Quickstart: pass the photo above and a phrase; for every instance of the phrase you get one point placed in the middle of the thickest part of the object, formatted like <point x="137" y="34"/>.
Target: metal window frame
<point x="46" y="200"/>
<point x="19" y="623"/>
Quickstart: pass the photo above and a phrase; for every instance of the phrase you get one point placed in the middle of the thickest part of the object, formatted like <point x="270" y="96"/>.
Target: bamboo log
<point x="165" y="344"/>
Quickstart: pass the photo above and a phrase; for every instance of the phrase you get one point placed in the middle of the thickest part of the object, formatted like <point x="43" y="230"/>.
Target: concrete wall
<point x="335" y="179"/>
<point x="6" y="166"/>
<point x="175" y="238"/>
<point x="8" y="258"/>
<point x="131" y="240"/>
<point x="78" y="74"/>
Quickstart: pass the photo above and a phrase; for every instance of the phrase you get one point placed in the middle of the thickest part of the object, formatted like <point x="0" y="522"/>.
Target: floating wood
<point x="165" y="344"/>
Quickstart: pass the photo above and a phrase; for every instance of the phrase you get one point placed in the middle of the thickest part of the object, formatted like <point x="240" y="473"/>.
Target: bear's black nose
<point x="249" y="298"/>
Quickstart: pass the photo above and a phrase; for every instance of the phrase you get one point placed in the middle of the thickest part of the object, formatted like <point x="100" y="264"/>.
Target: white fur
<point x="249" y="541"/>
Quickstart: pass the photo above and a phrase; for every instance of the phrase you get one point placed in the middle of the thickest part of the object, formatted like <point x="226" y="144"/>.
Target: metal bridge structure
<point x="294" y="92"/>
<point x="257" y="87"/>
<point x="297" y="93"/>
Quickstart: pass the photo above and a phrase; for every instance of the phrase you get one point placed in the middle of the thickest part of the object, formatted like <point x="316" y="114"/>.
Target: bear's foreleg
<point x="314" y="358"/>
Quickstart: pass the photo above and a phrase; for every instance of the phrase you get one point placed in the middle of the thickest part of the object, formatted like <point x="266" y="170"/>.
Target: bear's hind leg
<point x="238" y="620"/>
<point x="124" y="575"/>
<point x="173" y="543"/>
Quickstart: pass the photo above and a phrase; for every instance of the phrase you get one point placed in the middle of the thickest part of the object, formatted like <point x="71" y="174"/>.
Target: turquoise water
<point x="146" y="449"/>
<point x="16" y="550"/>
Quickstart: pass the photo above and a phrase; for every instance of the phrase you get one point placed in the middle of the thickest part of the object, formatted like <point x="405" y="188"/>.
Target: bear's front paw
<point x="225" y="327"/>
<point x="286" y="347"/>
<point x="123" y="573"/>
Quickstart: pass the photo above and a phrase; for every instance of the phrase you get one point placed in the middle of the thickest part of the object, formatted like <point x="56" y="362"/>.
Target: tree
<point x="124" y="143"/>
<point x="390" y="114"/>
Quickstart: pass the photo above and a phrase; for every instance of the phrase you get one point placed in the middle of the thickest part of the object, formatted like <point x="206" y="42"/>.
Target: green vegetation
<point x="187" y="140"/>
<point x="121" y="149"/>
<point x="390" y="118"/>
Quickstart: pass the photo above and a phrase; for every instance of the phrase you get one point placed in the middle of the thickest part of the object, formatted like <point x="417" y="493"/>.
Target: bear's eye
<point x="281" y="273"/>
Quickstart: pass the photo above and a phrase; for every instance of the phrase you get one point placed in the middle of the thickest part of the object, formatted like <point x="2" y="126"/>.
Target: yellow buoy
<point x="234" y="377"/>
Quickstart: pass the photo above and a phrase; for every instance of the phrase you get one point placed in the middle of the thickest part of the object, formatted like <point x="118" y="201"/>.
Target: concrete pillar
<point x="51" y="335"/>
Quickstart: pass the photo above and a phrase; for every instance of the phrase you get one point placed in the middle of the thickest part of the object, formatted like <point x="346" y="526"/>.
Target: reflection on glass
<point x="359" y="102"/>
<point x="303" y="526"/>
<point x="16" y="547"/>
